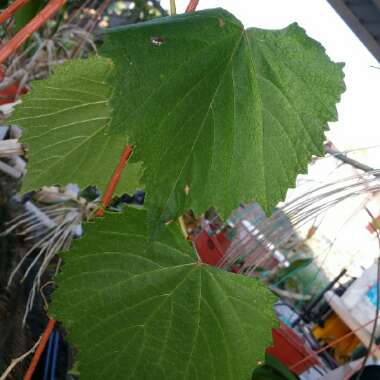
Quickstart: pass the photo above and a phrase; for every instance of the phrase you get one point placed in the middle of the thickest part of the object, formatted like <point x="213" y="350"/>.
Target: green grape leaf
<point x="139" y="309"/>
<point x="218" y="114"/>
<point x="65" y="121"/>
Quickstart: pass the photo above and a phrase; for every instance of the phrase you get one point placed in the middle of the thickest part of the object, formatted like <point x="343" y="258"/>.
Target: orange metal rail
<point x="39" y="20"/>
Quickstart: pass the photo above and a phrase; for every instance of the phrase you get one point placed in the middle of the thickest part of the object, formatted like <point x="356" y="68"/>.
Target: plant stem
<point x="173" y="9"/>
<point x="42" y="343"/>
<point x="90" y="26"/>
<point x="192" y="6"/>
<point x="342" y="157"/>
<point x="40" y="19"/>
<point x="115" y="179"/>
<point x="8" y="12"/>
<point x="18" y="360"/>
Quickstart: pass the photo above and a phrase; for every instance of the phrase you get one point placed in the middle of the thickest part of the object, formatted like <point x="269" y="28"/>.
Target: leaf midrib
<point x="202" y="124"/>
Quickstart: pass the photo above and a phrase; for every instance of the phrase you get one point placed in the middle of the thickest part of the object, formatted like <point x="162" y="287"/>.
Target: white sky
<point x="359" y="110"/>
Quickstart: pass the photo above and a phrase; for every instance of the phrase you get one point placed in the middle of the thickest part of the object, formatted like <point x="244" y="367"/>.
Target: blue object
<point x="51" y="356"/>
<point x="372" y="294"/>
<point x="55" y="355"/>
<point x="48" y="357"/>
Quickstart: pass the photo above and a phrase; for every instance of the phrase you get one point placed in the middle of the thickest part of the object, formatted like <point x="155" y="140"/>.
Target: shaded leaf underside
<point x="65" y="121"/>
<point x="143" y="310"/>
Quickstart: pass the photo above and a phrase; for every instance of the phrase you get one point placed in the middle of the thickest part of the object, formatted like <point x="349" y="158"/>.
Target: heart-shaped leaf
<point x="220" y="115"/>
<point x="142" y="310"/>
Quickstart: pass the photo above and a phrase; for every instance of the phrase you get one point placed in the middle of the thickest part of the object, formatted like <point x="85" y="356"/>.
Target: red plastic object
<point x="8" y="94"/>
<point x="211" y="248"/>
<point x="290" y="349"/>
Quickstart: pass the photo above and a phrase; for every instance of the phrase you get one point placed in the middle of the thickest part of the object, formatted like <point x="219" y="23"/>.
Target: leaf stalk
<point x="173" y="9"/>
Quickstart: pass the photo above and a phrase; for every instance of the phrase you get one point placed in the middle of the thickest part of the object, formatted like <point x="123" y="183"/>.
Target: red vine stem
<point x="90" y="26"/>
<point x="40" y="19"/>
<point x="8" y="12"/>
<point x="40" y="349"/>
<point x="192" y="6"/>
<point x="115" y="179"/>
<point x="105" y="202"/>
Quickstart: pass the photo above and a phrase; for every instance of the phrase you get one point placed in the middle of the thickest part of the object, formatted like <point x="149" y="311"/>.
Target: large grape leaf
<point x="139" y="309"/>
<point x="65" y="121"/>
<point x="220" y="115"/>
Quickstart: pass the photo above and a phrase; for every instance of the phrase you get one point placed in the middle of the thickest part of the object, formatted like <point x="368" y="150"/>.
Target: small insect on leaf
<point x="156" y="41"/>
